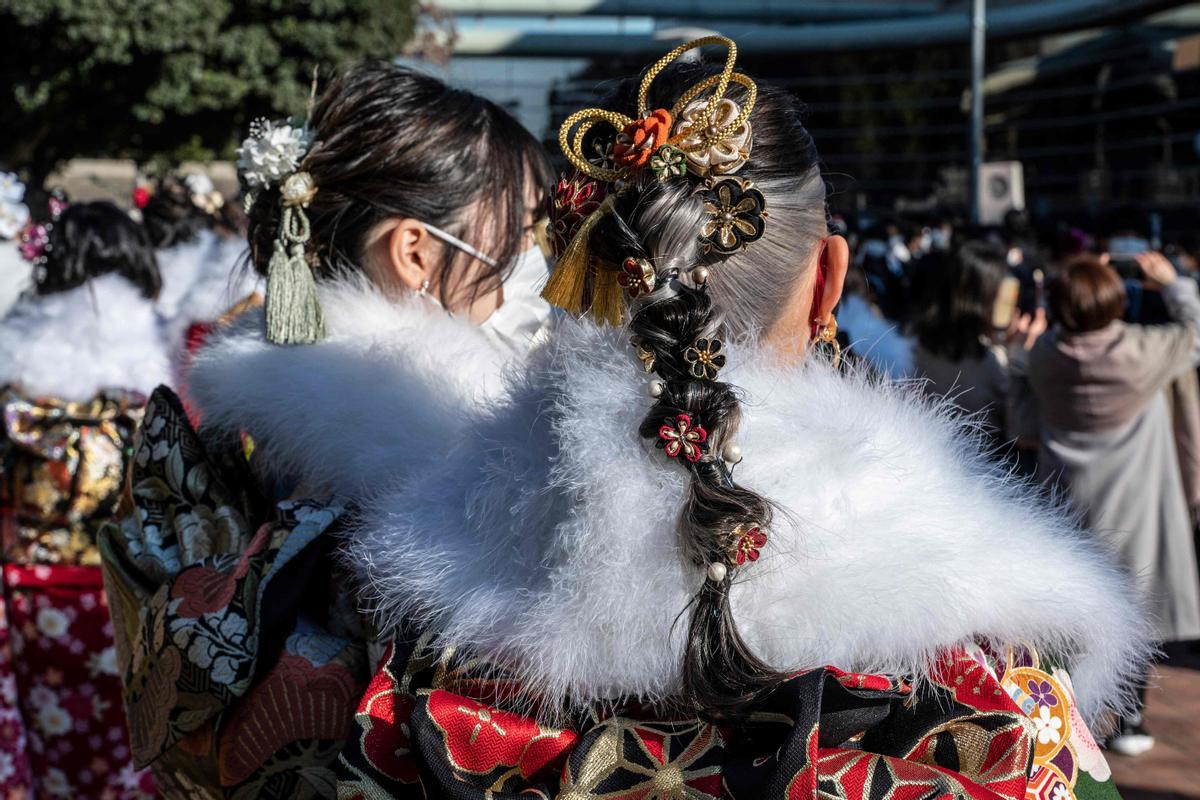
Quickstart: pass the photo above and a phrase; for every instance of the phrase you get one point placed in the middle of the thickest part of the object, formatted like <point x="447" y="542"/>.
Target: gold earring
<point x="827" y="337"/>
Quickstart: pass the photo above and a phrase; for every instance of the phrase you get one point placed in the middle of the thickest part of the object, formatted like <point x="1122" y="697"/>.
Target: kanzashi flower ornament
<point x="747" y="542"/>
<point x="574" y="199"/>
<point x="709" y="150"/>
<point x="270" y="153"/>
<point x="669" y="162"/>
<point x="637" y="277"/>
<point x="737" y="214"/>
<point x="678" y="436"/>
<point x="705" y="359"/>
<point x="638" y="141"/>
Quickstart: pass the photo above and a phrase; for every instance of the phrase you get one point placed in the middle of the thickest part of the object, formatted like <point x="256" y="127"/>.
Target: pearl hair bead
<point x="700" y="276"/>
<point x="732" y="453"/>
<point x="657" y="388"/>
<point x="717" y="572"/>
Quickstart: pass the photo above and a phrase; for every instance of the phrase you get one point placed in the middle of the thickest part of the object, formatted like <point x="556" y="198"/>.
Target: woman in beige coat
<point x="1106" y="435"/>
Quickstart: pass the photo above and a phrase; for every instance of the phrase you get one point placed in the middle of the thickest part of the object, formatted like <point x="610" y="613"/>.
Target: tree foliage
<point x="148" y="79"/>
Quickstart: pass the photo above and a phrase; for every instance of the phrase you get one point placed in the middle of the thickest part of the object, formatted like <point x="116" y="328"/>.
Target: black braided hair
<point x="660" y="221"/>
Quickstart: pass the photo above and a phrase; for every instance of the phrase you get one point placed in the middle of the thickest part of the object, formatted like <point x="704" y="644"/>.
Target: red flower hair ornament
<point x="678" y="436"/>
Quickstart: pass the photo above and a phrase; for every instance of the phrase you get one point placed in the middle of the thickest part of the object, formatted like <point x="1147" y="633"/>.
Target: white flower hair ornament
<point x="270" y="158"/>
<point x="271" y="152"/>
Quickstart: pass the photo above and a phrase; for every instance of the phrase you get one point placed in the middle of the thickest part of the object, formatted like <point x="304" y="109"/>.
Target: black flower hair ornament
<point x="705" y="359"/>
<point x="737" y="215"/>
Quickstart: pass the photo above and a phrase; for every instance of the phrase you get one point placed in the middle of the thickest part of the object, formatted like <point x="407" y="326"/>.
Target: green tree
<point x="153" y="79"/>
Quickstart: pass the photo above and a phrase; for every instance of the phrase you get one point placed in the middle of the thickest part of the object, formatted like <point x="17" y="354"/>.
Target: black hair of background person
<point x="392" y="142"/>
<point x="958" y="296"/>
<point x="170" y="216"/>
<point x="93" y="239"/>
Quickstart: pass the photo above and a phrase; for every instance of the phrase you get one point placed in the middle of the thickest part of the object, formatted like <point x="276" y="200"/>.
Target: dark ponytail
<point x="721" y="675"/>
<point x="389" y="142"/>
<point x="93" y="239"/>
<point x="745" y="294"/>
<point x="170" y="216"/>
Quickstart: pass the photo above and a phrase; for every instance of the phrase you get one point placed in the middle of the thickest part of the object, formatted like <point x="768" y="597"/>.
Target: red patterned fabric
<point x="62" y="725"/>
<point x="432" y="726"/>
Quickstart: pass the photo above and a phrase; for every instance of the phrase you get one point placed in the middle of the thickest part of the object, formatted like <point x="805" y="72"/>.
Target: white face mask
<point x="515" y="325"/>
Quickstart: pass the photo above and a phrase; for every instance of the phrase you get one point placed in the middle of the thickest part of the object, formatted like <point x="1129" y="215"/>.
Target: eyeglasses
<point x="454" y="241"/>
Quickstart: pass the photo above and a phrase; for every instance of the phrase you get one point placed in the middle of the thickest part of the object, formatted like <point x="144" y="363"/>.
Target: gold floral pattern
<point x="61" y="469"/>
<point x="737" y="214"/>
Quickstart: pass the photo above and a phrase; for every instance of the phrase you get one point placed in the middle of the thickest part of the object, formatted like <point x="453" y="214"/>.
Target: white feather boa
<point x="391" y="384"/>
<point x="532" y="525"/>
<point x="543" y="536"/>
<point x="201" y="279"/>
<point x="103" y="335"/>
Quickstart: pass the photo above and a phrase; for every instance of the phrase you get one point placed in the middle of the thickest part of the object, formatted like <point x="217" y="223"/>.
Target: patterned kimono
<point x="241" y="650"/>
<point x="62" y="726"/>
<point x="435" y="725"/>
<point x="248" y="670"/>
<point x="244" y="661"/>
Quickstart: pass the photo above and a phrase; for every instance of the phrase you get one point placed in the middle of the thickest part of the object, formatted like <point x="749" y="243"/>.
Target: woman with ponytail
<point x="686" y="556"/>
<point x="393" y="228"/>
<point x="79" y="353"/>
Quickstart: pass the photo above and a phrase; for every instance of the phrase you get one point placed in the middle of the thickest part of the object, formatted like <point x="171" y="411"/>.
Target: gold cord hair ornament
<point x="713" y="125"/>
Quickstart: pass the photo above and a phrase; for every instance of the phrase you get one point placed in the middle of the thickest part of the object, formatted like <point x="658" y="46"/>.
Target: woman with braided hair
<point x="687" y="557"/>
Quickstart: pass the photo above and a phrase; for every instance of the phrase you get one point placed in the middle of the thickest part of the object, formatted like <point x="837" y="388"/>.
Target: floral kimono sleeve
<point x="242" y="661"/>
<point x="1067" y="762"/>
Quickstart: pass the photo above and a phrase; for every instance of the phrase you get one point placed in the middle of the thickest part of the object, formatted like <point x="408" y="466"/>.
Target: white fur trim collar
<point x="545" y="537"/>
<point x="103" y="335"/>
<point x="379" y="397"/>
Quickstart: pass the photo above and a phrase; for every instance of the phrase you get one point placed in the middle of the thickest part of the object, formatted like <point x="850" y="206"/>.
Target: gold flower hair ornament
<point x="701" y="133"/>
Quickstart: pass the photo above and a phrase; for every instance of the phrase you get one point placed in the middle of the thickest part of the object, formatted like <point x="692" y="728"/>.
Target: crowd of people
<point x="429" y="475"/>
<point x="1077" y="358"/>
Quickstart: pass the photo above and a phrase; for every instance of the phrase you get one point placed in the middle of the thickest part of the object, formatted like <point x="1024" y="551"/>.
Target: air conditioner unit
<point x="1001" y="189"/>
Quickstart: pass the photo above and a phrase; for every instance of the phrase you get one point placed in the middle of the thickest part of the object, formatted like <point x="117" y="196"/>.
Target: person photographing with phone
<point x="1097" y="385"/>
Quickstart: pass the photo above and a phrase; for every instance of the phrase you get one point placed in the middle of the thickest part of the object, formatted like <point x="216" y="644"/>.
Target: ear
<point x="833" y="261"/>
<point x="405" y="251"/>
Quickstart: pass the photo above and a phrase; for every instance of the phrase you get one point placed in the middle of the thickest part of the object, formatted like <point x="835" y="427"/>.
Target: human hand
<point x="1026" y="328"/>
<point x="1157" y="269"/>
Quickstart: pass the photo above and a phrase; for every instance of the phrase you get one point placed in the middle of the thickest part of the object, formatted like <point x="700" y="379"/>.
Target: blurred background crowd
<point x="1024" y="223"/>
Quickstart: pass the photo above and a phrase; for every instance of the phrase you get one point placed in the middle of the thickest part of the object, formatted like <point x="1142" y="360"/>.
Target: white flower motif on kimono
<point x="723" y="156"/>
<point x="214" y="642"/>
<point x="8" y="690"/>
<point x="55" y="784"/>
<point x="52" y="622"/>
<point x="1061" y="792"/>
<point x="270" y="154"/>
<point x="1048" y="726"/>
<point x="41" y="696"/>
<point x="104" y="662"/>
<point x="53" y="720"/>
